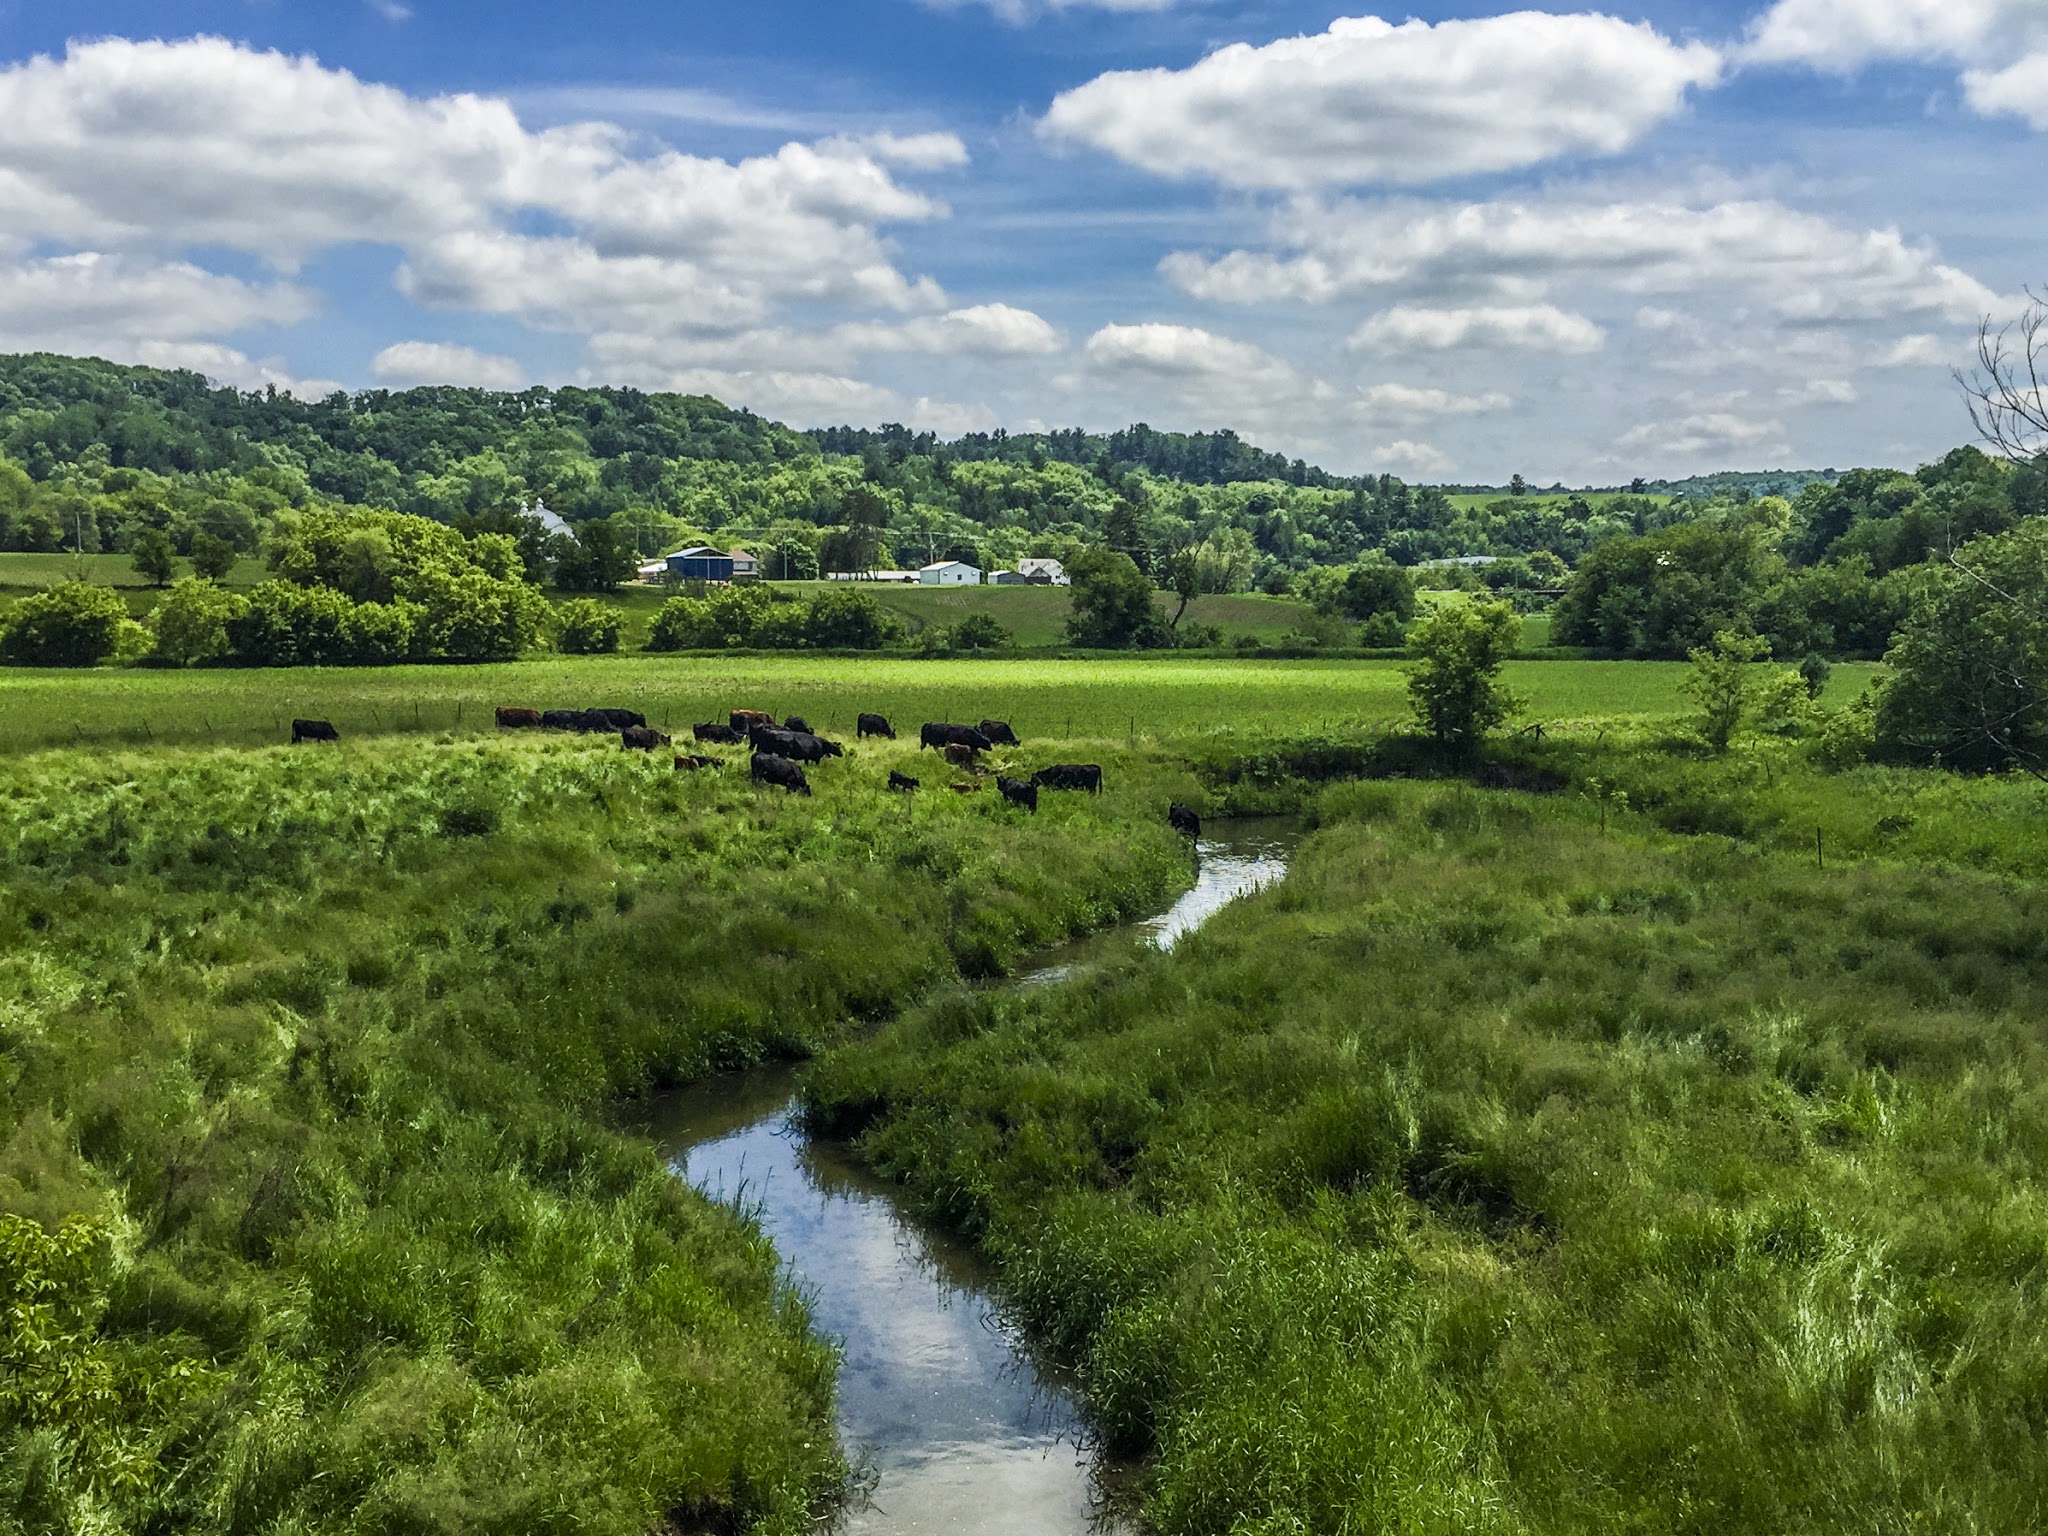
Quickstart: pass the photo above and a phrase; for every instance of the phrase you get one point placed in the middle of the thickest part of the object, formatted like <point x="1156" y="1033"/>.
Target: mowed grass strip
<point x="1082" y="699"/>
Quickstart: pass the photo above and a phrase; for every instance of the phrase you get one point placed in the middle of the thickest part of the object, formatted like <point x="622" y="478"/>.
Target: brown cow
<point x="959" y="754"/>
<point x="693" y="763"/>
<point x="512" y="719"/>
<point x="744" y="720"/>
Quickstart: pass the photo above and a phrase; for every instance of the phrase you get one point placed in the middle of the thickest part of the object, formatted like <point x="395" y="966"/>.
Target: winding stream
<point x="960" y="1430"/>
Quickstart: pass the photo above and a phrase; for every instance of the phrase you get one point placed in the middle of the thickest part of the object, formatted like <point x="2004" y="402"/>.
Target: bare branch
<point x="2006" y="394"/>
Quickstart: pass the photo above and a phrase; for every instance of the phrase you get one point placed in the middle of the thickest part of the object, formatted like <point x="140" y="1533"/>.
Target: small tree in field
<point x="153" y="556"/>
<point x="1718" y="685"/>
<point x="979" y="632"/>
<point x="587" y="627"/>
<point x="213" y="558"/>
<point x="68" y="625"/>
<point x="1455" y="687"/>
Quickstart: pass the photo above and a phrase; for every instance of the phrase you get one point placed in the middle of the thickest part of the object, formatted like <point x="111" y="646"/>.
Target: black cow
<point x="1183" y="820"/>
<point x="940" y="735"/>
<point x="770" y="769"/>
<point x="1086" y="776"/>
<point x="1018" y="792"/>
<point x="872" y="725"/>
<point x="744" y="720"/>
<point x="616" y="719"/>
<point x="798" y="723"/>
<point x="313" y="730"/>
<point x="562" y="719"/>
<point x="512" y="719"/>
<point x="800" y="746"/>
<point x="723" y="735"/>
<point x="999" y="733"/>
<point x="901" y="781"/>
<point x="640" y="738"/>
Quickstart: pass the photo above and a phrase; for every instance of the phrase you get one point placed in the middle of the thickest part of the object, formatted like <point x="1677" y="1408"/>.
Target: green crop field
<point x="1157" y="698"/>
<point x="21" y="573"/>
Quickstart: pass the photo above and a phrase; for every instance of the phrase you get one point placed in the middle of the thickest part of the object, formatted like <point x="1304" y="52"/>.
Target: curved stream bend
<point x="963" y="1432"/>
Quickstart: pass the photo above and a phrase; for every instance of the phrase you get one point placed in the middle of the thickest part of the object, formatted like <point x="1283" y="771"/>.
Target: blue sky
<point x="1447" y="241"/>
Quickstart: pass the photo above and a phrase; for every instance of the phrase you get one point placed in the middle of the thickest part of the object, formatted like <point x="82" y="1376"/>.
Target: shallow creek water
<point x="938" y="1398"/>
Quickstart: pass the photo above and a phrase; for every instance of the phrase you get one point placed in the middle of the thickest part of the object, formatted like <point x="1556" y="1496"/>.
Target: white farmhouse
<point x="950" y="573"/>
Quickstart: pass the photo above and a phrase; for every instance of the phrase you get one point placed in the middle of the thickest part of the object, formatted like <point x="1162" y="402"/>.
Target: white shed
<point x="950" y="573"/>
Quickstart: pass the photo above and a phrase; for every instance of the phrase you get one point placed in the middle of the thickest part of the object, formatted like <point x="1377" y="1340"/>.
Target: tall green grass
<point x="1498" y="1174"/>
<point x="311" y="1222"/>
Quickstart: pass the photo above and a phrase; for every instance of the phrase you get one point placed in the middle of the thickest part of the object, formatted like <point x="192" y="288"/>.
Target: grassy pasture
<point x="1158" y="698"/>
<point x="1498" y="1173"/>
<point x="308" y="1217"/>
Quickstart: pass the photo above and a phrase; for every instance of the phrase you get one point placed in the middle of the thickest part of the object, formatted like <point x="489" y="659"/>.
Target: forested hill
<point x="1200" y="458"/>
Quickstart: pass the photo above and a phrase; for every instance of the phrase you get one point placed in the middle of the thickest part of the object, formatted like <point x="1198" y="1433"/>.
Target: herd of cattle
<point x="779" y="752"/>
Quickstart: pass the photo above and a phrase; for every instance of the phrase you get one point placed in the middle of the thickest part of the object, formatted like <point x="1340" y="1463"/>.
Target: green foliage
<point x="1113" y="607"/>
<point x="153" y="556"/>
<point x="313" y="1218"/>
<point x="213" y="558"/>
<point x="586" y="627"/>
<point x="1668" y="594"/>
<point x="1373" y="587"/>
<point x="191" y="623"/>
<point x="72" y="624"/>
<point x="1653" y="1169"/>
<point x="978" y="632"/>
<point x="846" y="618"/>
<point x="1719" y="686"/>
<point x="1968" y="679"/>
<point x="1455" y="687"/>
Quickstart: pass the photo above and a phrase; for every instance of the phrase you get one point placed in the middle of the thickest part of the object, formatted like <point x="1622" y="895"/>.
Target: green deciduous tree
<point x="212" y="557"/>
<point x="153" y="556"/>
<point x="1113" y="607"/>
<point x="978" y="632"/>
<point x="73" y="624"/>
<point x="1719" y="685"/>
<point x="586" y="627"/>
<point x="191" y="623"/>
<point x="1455" y="687"/>
<point x="1968" y="677"/>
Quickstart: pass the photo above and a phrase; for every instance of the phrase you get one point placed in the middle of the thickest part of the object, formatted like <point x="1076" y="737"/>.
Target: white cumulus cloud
<point x="407" y="363"/>
<point x="1844" y="34"/>
<point x="1371" y="101"/>
<point x="2019" y="90"/>
<point x="1520" y="327"/>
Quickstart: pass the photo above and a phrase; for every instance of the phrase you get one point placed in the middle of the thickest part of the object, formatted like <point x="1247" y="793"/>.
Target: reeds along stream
<point x="955" y="1425"/>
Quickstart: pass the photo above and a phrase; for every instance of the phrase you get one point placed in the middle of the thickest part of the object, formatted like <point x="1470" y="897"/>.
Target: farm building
<point x="700" y="563"/>
<point x="652" y="570"/>
<point x="1008" y="579"/>
<point x="950" y="573"/>
<point x="1044" y="573"/>
<point x="744" y="566"/>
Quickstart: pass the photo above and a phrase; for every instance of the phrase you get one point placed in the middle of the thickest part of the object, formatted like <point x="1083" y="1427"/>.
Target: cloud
<point x="1369" y="101"/>
<point x="803" y="398"/>
<point x="1408" y="402"/>
<point x="393" y="11"/>
<point x="1918" y="351"/>
<point x="1819" y="392"/>
<point x="94" y="294"/>
<point x="407" y="363"/>
<point x="1420" y="460"/>
<point x="1800" y="267"/>
<point x="2019" y="90"/>
<point x="1712" y="431"/>
<point x="1175" y="351"/>
<point x="1522" y="328"/>
<point x="1845" y="34"/>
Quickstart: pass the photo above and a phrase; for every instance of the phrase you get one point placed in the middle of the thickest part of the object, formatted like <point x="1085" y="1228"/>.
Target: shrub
<point x="1455" y="688"/>
<point x="153" y="556"/>
<point x="191" y="623"/>
<point x="73" y="624"/>
<point x="212" y="557"/>
<point x="1384" y="632"/>
<point x="284" y="625"/>
<point x="1719" y="684"/>
<point x="979" y="632"/>
<point x="848" y="619"/>
<point x="586" y="627"/>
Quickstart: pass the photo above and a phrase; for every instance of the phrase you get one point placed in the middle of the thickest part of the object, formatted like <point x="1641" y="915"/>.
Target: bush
<point x="212" y="557"/>
<point x="979" y="632"/>
<point x="1455" y="688"/>
<point x="1383" y="632"/>
<point x="848" y="620"/>
<point x="586" y="627"/>
<point x="73" y="624"/>
<point x="1719" y="684"/>
<point x="191" y="623"/>
<point x="284" y="625"/>
<point x="153" y="556"/>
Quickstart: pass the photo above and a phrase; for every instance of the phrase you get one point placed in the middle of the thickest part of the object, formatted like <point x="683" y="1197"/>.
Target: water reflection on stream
<point x="963" y="1431"/>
